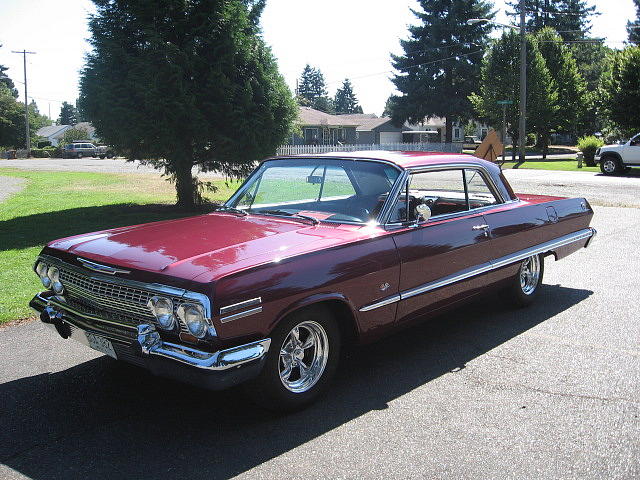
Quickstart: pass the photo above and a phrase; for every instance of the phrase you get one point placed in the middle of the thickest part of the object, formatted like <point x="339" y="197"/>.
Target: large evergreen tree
<point x="500" y="71"/>
<point x="345" y="100"/>
<point x="312" y="90"/>
<point x="11" y="119"/>
<point x="441" y="62"/>
<point x="181" y="84"/>
<point x="68" y="114"/>
<point x="570" y="18"/>
<point x="5" y="80"/>
<point x="633" y="28"/>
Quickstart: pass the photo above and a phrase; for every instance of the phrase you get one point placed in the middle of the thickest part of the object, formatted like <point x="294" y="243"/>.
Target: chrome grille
<point x="120" y="302"/>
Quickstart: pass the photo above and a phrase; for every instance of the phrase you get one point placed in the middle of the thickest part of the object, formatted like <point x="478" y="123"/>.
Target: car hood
<point x="208" y="246"/>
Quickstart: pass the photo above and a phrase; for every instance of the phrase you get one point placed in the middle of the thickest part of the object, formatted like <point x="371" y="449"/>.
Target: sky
<point x="344" y="38"/>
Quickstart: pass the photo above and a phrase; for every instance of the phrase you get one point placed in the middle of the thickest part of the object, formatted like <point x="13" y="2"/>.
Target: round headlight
<point x="54" y="276"/>
<point x="41" y="270"/>
<point x="162" y="309"/>
<point x="193" y="317"/>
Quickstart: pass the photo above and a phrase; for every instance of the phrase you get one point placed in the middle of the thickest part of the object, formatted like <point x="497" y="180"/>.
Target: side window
<point x="480" y="195"/>
<point x="443" y="191"/>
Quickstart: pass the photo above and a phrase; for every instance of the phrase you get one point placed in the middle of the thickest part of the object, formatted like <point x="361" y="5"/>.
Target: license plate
<point x="100" y="344"/>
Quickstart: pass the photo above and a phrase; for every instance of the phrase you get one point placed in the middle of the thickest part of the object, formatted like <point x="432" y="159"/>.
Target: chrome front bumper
<point x="144" y="347"/>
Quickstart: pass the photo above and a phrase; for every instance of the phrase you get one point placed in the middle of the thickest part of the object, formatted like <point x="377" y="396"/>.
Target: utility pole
<point x="26" y="104"/>
<point x="522" y="130"/>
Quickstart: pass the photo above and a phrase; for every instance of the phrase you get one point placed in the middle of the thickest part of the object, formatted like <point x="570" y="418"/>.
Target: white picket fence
<point x="416" y="147"/>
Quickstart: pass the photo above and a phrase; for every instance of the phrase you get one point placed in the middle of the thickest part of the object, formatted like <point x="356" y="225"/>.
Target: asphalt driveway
<point x="551" y="391"/>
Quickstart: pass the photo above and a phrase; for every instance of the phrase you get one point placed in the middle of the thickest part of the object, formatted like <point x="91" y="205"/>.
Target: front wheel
<point x="301" y="362"/>
<point x="610" y="166"/>
<point x="526" y="284"/>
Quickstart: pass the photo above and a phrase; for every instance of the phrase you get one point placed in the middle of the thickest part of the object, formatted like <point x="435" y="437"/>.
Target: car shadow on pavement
<point x="105" y="419"/>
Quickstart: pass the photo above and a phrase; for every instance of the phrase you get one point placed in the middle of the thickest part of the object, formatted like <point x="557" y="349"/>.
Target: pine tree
<point x="11" y="119"/>
<point x="68" y="115"/>
<point x="633" y="28"/>
<point x="4" y="79"/>
<point x="345" y="100"/>
<point x="570" y="18"/>
<point x="500" y="71"/>
<point x="311" y="85"/>
<point x="181" y="84"/>
<point x="441" y="62"/>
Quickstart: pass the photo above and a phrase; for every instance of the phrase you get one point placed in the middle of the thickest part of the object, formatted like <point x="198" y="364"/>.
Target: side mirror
<point x="423" y="212"/>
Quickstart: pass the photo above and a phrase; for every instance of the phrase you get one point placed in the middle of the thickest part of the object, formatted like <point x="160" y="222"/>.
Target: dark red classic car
<point x="310" y="254"/>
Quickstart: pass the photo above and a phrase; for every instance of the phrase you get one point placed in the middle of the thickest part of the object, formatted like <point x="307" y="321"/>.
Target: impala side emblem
<point x="384" y="286"/>
<point x="96" y="267"/>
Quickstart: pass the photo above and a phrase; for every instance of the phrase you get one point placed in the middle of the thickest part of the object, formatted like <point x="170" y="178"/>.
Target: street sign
<point x="505" y="102"/>
<point x="490" y="148"/>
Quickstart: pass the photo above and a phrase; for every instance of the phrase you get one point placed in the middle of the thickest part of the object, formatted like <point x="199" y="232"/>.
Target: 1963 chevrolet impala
<point x="311" y="253"/>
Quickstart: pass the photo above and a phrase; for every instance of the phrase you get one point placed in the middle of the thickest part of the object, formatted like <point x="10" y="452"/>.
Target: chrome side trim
<point x="96" y="267"/>
<point x="239" y="306"/>
<point x="595" y="232"/>
<point x="587" y="233"/>
<point x="236" y="316"/>
<point x="151" y="344"/>
<point x="381" y="303"/>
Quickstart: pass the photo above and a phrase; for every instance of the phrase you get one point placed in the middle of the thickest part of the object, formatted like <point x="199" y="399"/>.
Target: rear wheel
<point x="526" y="284"/>
<point x="301" y="362"/>
<point x="610" y="165"/>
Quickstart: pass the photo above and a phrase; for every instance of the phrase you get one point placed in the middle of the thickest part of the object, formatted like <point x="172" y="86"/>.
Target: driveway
<point x="551" y="391"/>
<point x="9" y="186"/>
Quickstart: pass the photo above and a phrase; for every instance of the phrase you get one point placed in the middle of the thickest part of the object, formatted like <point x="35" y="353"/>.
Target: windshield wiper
<point x="225" y="208"/>
<point x="284" y="213"/>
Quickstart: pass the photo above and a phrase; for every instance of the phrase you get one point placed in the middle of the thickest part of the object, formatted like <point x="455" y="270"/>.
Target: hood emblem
<point x="96" y="267"/>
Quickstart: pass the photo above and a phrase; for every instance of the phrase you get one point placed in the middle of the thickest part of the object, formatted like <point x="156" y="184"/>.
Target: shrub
<point x="531" y="139"/>
<point x="588" y="146"/>
<point x="40" y="153"/>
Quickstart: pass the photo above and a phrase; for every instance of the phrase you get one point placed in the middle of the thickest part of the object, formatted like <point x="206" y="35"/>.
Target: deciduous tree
<point x="499" y="81"/>
<point x="441" y="62"/>
<point x="181" y="84"/>
<point x="621" y="90"/>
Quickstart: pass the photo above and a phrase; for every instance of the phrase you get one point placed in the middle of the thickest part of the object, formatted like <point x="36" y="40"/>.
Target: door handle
<point x="483" y="227"/>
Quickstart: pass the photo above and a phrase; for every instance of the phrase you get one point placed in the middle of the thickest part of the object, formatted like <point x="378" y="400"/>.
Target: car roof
<point x="404" y="159"/>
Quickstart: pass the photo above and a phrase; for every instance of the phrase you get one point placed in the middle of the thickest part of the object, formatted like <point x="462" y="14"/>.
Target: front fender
<point x="312" y="300"/>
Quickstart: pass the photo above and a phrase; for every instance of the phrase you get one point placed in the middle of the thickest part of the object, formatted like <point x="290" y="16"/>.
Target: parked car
<point x="310" y="254"/>
<point x="79" y="150"/>
<point x="104" y="151"/>
<point x="471" y="142"/>
<point x="616" y="159"/>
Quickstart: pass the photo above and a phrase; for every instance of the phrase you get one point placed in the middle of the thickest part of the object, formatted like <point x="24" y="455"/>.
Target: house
<point x="433" y="129"/>
<point x="53" y="133"/>
<point x="320" y="128"/>
<point x="375" y="130"/>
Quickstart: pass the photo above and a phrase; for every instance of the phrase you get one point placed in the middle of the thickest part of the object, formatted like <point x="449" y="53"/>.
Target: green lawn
<point x="59" y="204"/>
<point x="567" y="165"/>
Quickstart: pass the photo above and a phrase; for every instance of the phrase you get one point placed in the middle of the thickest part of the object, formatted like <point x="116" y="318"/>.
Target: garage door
<point x="390" y="137"/>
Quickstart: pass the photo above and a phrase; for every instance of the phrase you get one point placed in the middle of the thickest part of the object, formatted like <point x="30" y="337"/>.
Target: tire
<point x="525" y="286"/>
<point x="102" y="157"/>
<point x="610" y="165"/>
<point x="79" y="155"/>
<point x="282" y="385"/>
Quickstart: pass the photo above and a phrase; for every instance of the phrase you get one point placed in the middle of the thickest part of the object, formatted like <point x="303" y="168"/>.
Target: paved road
<point x="551" y="391"/>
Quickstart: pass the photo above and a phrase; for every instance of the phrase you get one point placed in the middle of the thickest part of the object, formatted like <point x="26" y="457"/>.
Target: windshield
<point x="323" y="189"/>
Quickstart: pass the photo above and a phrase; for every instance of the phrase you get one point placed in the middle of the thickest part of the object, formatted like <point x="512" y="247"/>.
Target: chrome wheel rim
<point x="530" y="274"/>
<point x="609" y="166"/>
<point x="303" y="356"/>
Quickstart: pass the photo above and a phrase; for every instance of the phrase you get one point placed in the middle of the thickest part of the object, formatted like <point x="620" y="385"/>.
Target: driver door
<point x="454" y="240"/>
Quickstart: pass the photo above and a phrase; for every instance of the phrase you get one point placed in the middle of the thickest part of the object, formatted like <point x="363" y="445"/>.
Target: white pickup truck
<point x="615" y="159"/>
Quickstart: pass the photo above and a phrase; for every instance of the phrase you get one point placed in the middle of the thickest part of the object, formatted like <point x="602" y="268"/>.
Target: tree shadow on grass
<point x="39" y="229"/>
<point x="103" y="419"/>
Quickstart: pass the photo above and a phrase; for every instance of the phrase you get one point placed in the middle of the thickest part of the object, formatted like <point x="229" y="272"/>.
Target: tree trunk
<point x="514" y="147"/>
<point x="545" y="146"/>
<point x="448" y="135"/>
<point x="185" y="185"/>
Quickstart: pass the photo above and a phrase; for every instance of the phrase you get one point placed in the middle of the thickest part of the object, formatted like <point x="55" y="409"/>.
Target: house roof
<point x="52" y="130"/>
<point x="310" y="116"/>
<point x="371" y="123"/>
